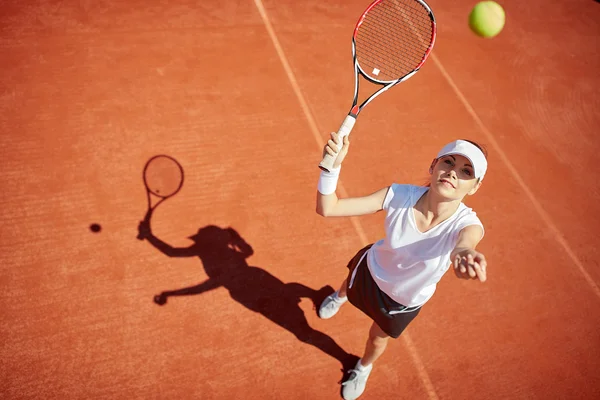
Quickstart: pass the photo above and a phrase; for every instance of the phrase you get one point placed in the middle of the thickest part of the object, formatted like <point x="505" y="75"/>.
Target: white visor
<point x="471" y="152"/>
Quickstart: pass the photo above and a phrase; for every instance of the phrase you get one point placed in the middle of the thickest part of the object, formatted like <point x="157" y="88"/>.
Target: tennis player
<point x="427" y="229"/>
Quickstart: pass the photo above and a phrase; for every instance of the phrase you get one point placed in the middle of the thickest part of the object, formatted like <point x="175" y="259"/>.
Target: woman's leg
<point x="355" y="385"/>
<point x="343" y="290"/>
<point x="376" y="344"/>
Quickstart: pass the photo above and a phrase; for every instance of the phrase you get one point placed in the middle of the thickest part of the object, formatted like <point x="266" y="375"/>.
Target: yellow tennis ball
<point x="487" y="19"/>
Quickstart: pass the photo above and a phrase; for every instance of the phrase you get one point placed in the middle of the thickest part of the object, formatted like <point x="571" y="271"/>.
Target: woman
<point x="427" y="228"/>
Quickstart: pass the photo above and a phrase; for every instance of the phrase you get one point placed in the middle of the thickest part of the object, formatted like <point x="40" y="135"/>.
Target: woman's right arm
<point x="331" y="206"/>
<point x="328" y="204"/>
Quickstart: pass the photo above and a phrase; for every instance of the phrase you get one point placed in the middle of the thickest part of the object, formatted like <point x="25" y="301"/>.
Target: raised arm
<point x="146" y="233"/>
<point x="328" y="203"/>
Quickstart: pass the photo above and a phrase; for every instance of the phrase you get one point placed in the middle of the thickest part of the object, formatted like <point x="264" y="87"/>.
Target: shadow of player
<point x="223" y="253"/>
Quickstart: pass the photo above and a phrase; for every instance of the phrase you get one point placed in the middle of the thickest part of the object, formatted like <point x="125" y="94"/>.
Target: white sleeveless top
<point x="407" y="264"/>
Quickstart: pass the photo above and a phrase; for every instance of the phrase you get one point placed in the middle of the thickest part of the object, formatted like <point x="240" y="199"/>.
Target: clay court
<point x="243" y="93"/>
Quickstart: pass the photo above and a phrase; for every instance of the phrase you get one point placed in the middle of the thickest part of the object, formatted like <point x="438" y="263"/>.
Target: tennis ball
<point x="487" y="19"/>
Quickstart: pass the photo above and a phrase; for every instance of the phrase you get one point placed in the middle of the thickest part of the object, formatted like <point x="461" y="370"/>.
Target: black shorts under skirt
<point x="391" y="316"/>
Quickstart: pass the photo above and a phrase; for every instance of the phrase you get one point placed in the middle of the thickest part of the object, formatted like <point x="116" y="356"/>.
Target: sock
<point x="338" y="299"/>
<point x="362" y="368"/>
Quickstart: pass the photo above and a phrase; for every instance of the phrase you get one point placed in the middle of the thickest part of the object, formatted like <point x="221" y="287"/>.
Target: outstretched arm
<point x="203" y="287"/>
<point x="328" y="203"/>
<point x="468" y="263"/>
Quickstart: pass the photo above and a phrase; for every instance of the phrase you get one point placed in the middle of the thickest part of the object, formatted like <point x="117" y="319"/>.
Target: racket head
<point x="392" y="39"/>
<point x="163" y="176"/>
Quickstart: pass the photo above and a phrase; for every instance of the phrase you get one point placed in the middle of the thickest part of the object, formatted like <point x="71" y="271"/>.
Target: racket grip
<point x="326" y="163"/>
<point x="146" y="219"/>
<point x="140" y="236"/>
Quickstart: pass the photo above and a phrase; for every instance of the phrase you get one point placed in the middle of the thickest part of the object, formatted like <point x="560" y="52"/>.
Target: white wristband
<point x="328" y="181"/>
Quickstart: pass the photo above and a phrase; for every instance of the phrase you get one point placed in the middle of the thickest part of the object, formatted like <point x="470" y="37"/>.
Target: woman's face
<point x="453" y="177"/>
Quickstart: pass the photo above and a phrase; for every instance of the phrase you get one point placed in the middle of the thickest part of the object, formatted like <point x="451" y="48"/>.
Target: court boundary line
<point x="412" y="349"/>
<point x="537" y="205"/>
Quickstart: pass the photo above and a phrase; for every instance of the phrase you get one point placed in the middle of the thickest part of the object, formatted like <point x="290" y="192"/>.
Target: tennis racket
<point x="391" y="41"/>
<point x="163" y="178"/>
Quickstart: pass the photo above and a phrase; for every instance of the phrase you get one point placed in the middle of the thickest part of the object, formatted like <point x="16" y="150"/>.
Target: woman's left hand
<point x="470" y="264"/>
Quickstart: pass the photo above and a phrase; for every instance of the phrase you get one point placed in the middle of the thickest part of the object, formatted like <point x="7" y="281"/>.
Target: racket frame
<point x="348" y="123"/>
<point x="150" y="193"/>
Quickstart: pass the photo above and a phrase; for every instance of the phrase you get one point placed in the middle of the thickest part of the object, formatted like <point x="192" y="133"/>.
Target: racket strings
<point x="401" y="35"/>
<point x="409" y="37"/>
<point x="388" y="67"/>
<point x="393" y="39"/>
<point x="415" y="16"/>
<point x="389" y="37"/>
<point x="378" y="51"/>
<point x="163" y="176"/>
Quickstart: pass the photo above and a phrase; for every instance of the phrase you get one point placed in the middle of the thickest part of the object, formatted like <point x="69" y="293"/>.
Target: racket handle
<point x="146" y="219"/>
<point x="140" y="236"/>
<point x="327" y="163"/>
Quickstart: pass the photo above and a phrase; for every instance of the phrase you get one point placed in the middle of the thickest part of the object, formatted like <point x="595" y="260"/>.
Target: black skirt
<point x="391" y="316"/>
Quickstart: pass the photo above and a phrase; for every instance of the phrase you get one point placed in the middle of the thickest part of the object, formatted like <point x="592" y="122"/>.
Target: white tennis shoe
<point x="355" y="385"/>
<point x="330" y="306"/>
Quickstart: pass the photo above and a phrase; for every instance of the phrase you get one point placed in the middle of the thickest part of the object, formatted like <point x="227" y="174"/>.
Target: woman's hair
<point x="480" y="147"/>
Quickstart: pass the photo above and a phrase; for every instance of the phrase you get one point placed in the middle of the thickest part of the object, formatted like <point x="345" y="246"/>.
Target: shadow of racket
<point x="163" y="178"/>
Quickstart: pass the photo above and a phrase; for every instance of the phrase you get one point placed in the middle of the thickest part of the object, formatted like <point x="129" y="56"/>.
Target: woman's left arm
<point x="468" y="263"/>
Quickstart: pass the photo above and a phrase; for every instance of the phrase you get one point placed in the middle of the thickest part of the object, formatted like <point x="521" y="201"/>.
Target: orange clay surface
<point x="90" y="90"/>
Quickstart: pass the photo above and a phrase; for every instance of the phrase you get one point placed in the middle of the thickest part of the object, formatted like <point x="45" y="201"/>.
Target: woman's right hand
<point x="333" y="148"/>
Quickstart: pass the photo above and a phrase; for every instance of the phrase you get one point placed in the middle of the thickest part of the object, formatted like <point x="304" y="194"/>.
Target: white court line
<point x="412" y="350"/>
<point x="311" y="120"/>
<point x="534" y="201"/>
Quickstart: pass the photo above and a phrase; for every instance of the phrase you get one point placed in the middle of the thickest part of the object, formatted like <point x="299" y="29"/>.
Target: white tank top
<point x="407" y="264"/>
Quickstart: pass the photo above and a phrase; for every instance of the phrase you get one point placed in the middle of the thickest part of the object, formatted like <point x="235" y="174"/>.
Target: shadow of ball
<point x="95" y="228"/>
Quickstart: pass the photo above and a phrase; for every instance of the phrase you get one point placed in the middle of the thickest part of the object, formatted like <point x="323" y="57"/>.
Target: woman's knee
<point x="377" y="336"/>
<point x="378" y="342"/>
